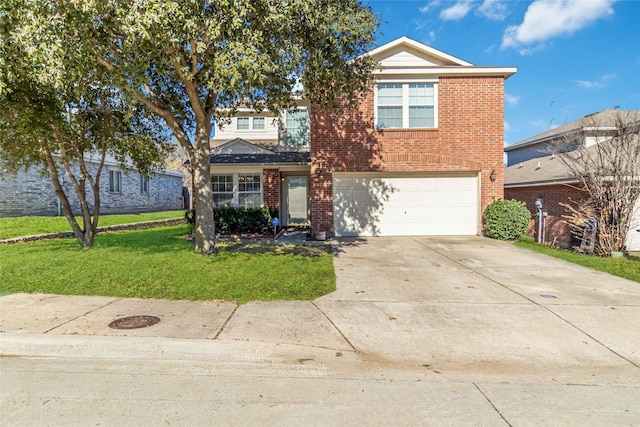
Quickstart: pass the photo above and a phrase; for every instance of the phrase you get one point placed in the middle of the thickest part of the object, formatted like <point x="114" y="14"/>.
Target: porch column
<point x="271" y="188"/>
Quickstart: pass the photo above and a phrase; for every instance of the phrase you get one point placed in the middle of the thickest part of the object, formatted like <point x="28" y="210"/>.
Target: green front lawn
<point x="160" y="263"/>
<point x="627" y="267"/>
<point x="31" y="225"/>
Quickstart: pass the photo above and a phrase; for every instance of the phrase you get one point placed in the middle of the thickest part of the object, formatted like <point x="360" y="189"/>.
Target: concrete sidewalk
<point x="451" y="331"/>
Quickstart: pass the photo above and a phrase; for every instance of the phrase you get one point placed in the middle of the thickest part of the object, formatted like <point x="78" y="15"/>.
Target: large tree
<point x="604" y="155"/>
<point x="66" y="120"/>
<point x="194" y="62"/>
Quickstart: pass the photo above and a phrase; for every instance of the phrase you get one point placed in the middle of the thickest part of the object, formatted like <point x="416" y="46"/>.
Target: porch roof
<point x="280" y="158"/>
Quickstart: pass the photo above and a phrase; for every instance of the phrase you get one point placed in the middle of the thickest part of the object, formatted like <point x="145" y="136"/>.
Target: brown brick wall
<point x="553" y="195"/>
<point x="469" y="137"/>
<point x="271" y="187"/>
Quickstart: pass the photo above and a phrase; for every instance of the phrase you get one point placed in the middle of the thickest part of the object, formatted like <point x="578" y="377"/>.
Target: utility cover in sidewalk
<point x="134" y="322"/>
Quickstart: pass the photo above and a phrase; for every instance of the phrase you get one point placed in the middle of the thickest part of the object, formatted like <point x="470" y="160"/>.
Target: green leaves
<point x="189" y="63"/>
<point x="506" y="219"/>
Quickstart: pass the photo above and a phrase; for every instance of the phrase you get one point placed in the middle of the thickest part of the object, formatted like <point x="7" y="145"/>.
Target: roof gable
<point x="407" y="57"/>
<point x="407" y="52"/>
<point x="239" y="146"/>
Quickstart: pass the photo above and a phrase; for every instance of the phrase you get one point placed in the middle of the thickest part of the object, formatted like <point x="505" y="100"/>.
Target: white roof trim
<point x="450" y="71"/>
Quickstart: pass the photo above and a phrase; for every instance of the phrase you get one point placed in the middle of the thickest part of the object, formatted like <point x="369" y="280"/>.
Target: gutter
<point x="542" y="183"/>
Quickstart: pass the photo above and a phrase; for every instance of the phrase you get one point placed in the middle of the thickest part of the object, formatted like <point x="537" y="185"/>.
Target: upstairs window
<point x="406" y="105"/>
<point x="258" y="123"/>
<point x="297" y="129"/>
<point x="390" y="106"/>
<point x="250" y="123"/>
<point x="243" y="123"/>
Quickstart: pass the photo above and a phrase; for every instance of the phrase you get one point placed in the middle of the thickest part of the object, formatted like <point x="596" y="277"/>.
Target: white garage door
<point x="386" y="205"/>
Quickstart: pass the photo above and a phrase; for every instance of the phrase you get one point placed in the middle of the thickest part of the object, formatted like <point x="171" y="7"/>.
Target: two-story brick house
<point x="421" y="155"/>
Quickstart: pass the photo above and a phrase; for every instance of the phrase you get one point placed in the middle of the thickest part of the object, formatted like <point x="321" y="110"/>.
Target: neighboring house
<point x="121" y="191"/>
<point x="420" y="155"/>
<point x="534" y="172"/>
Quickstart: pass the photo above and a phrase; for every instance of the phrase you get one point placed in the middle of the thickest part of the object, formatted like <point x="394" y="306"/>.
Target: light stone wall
<point x="29" y="193"/>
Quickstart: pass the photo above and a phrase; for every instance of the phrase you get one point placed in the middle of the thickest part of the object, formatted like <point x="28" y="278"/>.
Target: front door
<point x="297" y="200"/>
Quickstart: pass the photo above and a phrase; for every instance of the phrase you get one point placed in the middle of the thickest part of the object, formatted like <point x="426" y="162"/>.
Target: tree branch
<point x="189" y="84"/>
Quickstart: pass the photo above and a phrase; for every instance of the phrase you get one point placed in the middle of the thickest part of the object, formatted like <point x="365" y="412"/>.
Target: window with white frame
<point x="243" y="123"/>
<point x="249" y="190"/>
<point x="144" y="184"/>
<point x="297" y="128"/>
<point x="258" y="123"/>
<point x="406" y="105"/>
<point x="115" y="181"/>
<point x="242" y="190"/>
<point x="222" y="189"/>
<point x="250" y="123"/>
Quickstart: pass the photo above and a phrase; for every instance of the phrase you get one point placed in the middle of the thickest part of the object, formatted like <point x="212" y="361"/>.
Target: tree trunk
<point x="205" y="229"/>
<point x="81" y="236"/>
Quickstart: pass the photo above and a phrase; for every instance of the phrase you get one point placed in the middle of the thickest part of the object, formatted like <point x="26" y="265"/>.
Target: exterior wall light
<point x="493" y="176"/>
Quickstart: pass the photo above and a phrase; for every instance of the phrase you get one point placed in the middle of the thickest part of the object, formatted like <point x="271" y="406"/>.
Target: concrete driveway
<point x="472" y="307"/>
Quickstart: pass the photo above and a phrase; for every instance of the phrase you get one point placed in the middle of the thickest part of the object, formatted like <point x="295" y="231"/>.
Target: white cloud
<point x="427" y="7"/>
<point x="506" y="125"/>
<point x="530" y="50"/>
<point x="511" y="99"/>
<point x="546" y="19"/>
<point x="595" y="84"/>
<point x="493" y="9"/>
<point x="457" y="11"/>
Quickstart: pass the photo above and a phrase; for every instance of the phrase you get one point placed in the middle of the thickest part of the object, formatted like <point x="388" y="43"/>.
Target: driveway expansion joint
<point x="344" y="337"/>
<point x="492" y="404"/>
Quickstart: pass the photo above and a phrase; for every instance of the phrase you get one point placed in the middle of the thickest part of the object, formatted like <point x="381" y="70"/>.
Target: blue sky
<point x="574" y="57"/>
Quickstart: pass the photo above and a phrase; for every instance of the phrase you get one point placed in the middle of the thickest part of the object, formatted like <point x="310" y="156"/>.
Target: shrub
<point x="190" y="219"/>
<point x="238" y="220"/>
<point x="506" y="219"/>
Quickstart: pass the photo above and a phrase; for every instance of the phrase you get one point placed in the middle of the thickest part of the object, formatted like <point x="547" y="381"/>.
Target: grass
<point x="627" y="267"/>
<point x="31" y="225"/>
<point x="160" y="263"/>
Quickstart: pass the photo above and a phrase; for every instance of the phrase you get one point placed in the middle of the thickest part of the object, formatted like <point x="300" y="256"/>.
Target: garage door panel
<point x="391" y="206"/>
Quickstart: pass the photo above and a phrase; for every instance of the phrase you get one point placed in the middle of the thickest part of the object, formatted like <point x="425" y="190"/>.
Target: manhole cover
<point x="134" y="322"/>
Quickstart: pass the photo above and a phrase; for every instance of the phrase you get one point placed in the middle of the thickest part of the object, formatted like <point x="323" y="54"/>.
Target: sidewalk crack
<point x="226" y="322"/>
<point x="83" y="315"/>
